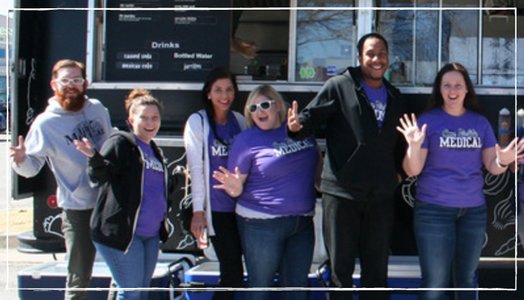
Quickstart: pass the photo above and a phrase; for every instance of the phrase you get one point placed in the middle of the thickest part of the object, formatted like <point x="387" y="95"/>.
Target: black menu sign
<point x="169" y="40"/>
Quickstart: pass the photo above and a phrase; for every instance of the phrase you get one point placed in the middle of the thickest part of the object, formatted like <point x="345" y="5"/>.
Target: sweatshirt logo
<point x="90" y="129"/>
<point x="291" y="146"/>
<point x="462" y="139"/>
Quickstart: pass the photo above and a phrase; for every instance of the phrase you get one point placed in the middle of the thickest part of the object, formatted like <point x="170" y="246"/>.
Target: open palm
<point x="409" y="128"/>
<point x="84" y="146"/>
<point x="231" y="183"/>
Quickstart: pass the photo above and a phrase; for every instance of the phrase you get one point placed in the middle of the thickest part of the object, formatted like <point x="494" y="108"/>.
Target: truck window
<point x="308" y="41"/>
<point x="325" y="40"/>
<point x="262" y="39"/>
<point x="483" y="40"/>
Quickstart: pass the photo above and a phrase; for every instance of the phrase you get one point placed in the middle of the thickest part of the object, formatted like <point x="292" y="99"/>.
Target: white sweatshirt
<point x="50" y="138"/>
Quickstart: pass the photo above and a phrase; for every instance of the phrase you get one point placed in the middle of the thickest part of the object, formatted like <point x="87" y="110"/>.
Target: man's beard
<point x="71" y="103"/>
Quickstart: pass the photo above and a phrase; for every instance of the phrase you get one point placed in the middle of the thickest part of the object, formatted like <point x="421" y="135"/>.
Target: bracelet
<point x="500" y="164"/>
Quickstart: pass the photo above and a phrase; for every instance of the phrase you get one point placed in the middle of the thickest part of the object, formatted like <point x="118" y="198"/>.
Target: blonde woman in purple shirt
<point x="448" y="154"/>
<point x="272" y="178"/>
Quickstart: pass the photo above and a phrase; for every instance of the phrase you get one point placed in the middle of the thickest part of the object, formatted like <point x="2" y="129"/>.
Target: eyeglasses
<point x="74" y="81"/>
<point x="264" y="105"/>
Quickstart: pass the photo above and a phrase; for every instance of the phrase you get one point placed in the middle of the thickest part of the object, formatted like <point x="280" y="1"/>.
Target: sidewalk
<point x="16" y="215"/>
<point x="17" y="218"/>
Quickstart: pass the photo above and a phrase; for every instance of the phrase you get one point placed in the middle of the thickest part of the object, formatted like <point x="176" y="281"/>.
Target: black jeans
<point x="358" y="228"/>
<point x="228" y="249"/>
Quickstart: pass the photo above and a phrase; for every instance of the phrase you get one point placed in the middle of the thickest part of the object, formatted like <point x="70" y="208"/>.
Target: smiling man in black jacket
<point x="360" y="111"/>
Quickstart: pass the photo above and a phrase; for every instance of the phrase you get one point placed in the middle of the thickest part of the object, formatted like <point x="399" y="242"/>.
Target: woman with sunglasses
<point x="208" y="135"/>
<point x="272" y="178"/>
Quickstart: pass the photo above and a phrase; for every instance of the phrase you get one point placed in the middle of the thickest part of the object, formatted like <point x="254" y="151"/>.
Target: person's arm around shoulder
<point x="415" y="157"/>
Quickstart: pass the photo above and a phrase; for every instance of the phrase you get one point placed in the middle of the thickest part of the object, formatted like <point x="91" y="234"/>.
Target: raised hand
<point x="293" y="122"/>
<point x="520" y="149"/>
<point x="507" y="155"/>
<point x="85" y="147"/>
<point x="17" y="153"/>
<point x="412" y="133"/>
<point x="231" y="183"/>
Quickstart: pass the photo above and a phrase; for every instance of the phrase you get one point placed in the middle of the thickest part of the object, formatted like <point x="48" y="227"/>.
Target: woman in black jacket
<point x="129" y="219"/>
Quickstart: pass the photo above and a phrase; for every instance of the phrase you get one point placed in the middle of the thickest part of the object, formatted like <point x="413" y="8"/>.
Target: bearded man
<point x="69" y="116"/>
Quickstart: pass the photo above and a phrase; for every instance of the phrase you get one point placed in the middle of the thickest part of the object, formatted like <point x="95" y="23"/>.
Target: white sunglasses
<point x="264" y="105"/>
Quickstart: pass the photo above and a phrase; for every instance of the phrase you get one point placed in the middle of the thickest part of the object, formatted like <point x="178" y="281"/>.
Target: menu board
<point x="164" y="42"/>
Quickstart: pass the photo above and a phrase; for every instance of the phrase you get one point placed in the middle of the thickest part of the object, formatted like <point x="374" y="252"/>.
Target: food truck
<point x="168" y="46"/>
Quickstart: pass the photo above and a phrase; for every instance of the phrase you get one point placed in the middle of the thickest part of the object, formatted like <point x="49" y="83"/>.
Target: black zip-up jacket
<point x="359" y="155"/>
<point x="119" y="169"/>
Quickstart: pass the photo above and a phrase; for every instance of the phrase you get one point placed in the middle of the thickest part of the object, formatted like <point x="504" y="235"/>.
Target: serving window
<point x="302" y="42"/>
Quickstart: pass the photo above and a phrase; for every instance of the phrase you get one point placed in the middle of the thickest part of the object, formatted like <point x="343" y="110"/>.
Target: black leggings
<point x="226" y="243"/>
<point x="358" y="228"/>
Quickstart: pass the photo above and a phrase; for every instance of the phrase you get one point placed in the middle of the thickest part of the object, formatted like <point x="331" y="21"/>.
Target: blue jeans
<point x="133" y="269"/>
<point x="449" y="241"/>
<point x="282" y="245"/>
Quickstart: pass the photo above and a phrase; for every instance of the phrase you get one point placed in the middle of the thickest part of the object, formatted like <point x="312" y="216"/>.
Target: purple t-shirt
<point x="452" y="175"/>
<point x="520" y="190"/>
<point x="218" y="154"/>
<point x="280" y="171"/>
<point x="153" y="207"/>
<point x="378" y="99"/>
